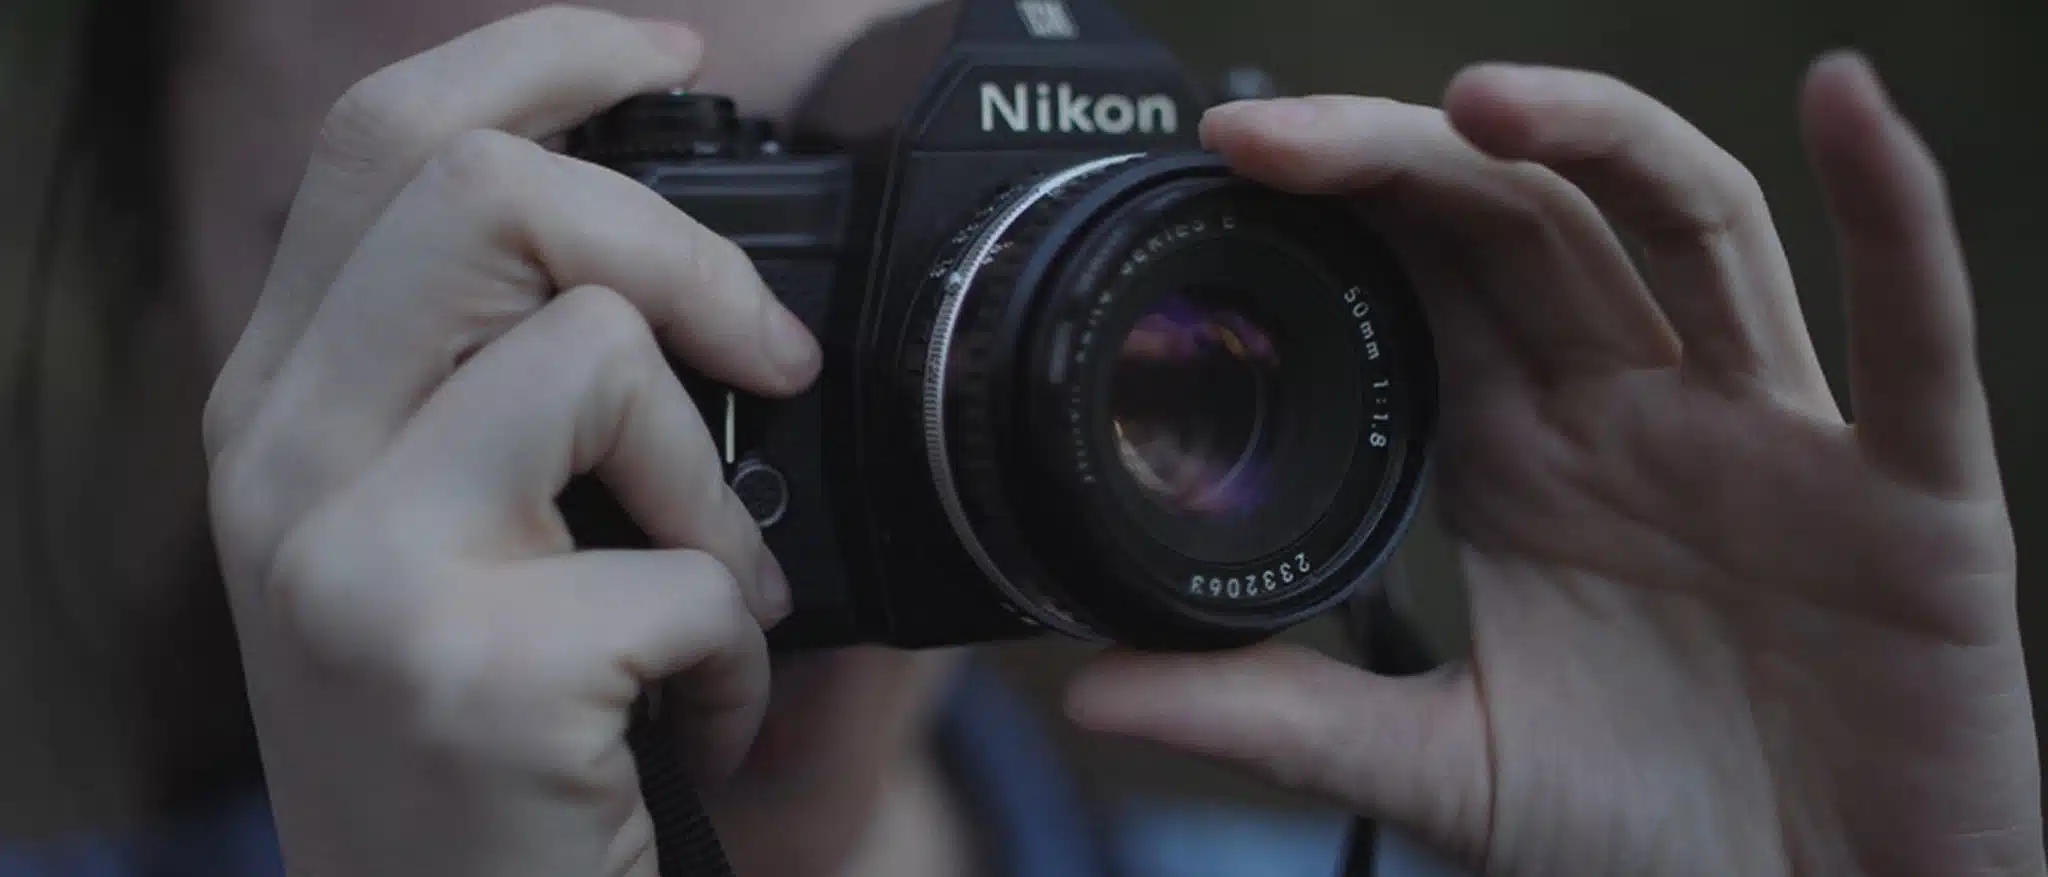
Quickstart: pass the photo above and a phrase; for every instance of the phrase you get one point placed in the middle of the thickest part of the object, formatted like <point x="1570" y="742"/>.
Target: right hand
<point x="458" y="321"/>
<point x="1717" y="627"/>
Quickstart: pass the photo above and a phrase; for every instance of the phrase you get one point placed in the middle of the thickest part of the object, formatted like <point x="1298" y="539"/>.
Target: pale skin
<point x="1719" y="630"/>
<point x="842" y="753"/>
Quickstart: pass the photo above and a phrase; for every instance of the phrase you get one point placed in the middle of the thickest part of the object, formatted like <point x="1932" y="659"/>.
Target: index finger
<point x="529" y="75"/>
<point x="579" y="387"/>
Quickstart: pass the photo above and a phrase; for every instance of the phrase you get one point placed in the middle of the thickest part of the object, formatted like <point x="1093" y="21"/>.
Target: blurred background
<point x="1972" y="74"/>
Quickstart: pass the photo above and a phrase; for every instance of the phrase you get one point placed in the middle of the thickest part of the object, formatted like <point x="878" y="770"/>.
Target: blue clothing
<point x="1034" y="821"/>
<point x="229" y="839"/>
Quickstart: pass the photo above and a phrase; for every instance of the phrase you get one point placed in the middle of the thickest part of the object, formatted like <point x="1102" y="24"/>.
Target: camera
<point x="1078" y="377"/>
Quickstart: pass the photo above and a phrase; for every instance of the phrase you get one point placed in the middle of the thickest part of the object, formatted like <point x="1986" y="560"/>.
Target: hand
<point x="1717" y="629"/>
<point x="440" y="681"/>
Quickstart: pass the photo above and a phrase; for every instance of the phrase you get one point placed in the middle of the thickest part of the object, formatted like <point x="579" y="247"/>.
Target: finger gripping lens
<point x="1166" y="406"/>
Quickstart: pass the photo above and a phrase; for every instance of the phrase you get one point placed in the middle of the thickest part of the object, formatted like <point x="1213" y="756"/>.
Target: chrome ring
<point x="957" y="284"/>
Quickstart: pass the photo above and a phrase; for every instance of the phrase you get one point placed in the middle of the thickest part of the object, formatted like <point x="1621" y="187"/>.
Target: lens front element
<point x="1191" y="400"/>
<point x="1168" y="407"/>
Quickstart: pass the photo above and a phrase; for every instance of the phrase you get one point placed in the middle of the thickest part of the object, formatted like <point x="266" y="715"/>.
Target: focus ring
<point x="958" y="386"/>
<point x="975" y="376"/>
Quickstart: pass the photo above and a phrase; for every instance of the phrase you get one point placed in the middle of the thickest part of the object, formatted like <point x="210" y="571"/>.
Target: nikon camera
<point x="1078" y="377"/>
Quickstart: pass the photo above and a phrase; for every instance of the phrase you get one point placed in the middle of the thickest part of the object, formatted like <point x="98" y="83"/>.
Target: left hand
<point x="457" y="322"/>
<point x="1718" y="629"/>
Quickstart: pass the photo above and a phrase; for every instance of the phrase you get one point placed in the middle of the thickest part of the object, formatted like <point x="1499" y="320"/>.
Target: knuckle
<point x="261" y="487"/>
<point x="443" y="647"/>
<point x="1533" y="199"/>
<point x="377" y="118"/>
<point x="1734" y="187"/>
<point x="617" y="356"/>
<point x="717" y="253"/>
<point x="709" y="262"/>
<point x="484" y="167"/>
<point x="725" y="585"/>
<point x="466" y="660"/>
<point x="221" y="418"/>
<point x="702" y="567"/>
<point x="730" y="264"/>
<point x="309" y="558"/>
<point x="236" y="494"/>
<point x="610" y="328"/>
<point x="1688" y="186"/>
<point x="352" y="597"/>
<point x="310" y="594"/>
<point x="727" y="276"/>
<point x="698" y="253"/>
<point x="458" y="672"/>
<point x="716" y="591"/>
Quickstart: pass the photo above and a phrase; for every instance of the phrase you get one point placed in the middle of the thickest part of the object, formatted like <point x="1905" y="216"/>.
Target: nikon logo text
<point x="1045" y="108"/>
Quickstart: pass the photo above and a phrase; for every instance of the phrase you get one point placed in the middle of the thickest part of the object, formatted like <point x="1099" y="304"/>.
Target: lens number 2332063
<point x="1255" y="584"/>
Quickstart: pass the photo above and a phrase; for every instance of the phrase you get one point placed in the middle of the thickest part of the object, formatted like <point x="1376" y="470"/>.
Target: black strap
<point x="685" y="842"/>
<point x="1390" y="646"/>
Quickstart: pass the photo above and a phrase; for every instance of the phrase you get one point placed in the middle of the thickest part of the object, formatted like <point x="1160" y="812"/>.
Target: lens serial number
<point x="1255" y="584"/>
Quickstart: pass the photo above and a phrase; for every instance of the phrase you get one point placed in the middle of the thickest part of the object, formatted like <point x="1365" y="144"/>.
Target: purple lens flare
<point x="1191" y="399"/>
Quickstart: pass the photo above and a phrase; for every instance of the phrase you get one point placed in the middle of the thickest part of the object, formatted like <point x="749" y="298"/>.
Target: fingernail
<point x="772" y="587"/>
<point x="673" y="39"/>
<point x="791" y="346"/>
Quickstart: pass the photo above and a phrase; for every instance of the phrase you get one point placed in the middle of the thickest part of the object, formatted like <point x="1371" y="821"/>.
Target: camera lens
<point x="1191" y="405"/>
<point x="1168" y="407"/>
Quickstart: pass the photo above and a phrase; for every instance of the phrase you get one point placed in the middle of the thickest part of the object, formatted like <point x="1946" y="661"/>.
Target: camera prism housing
<point x="1078" y="376"/>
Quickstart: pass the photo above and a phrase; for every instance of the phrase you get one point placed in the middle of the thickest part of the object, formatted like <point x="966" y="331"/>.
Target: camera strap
<point x="1388" y="644"/>
<point x="685" y="842"/>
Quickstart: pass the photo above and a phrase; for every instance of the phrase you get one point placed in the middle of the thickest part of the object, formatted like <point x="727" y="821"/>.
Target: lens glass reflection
<point x="1191" y="404"/>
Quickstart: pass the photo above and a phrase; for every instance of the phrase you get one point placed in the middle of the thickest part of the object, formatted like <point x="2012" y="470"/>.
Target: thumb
<point x="1411" y="752"/>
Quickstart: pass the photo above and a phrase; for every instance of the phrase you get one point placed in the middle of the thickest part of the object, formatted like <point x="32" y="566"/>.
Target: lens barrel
<point x="1168" y="407"/>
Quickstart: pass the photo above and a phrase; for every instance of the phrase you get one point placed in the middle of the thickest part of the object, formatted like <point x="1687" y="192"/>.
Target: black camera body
<point x="963" y="470"/>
